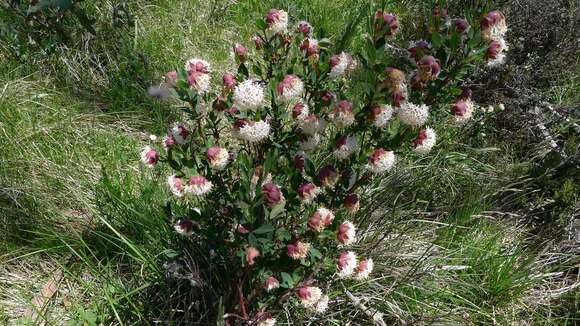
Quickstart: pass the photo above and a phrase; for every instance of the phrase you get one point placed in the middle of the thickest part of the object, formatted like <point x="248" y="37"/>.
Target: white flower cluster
<point x="412" y="114"/>
<point x="343" y="63"/>
<point x="254" y="132"/>
<point x="248" y="95"/>
<point x="381" y="161"/>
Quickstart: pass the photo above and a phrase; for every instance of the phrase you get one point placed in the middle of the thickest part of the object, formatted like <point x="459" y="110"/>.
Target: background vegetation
<point x="484" y="230"/>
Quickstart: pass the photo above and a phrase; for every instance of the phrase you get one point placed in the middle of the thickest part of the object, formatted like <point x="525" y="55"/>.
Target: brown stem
<point x="242" y="304"/>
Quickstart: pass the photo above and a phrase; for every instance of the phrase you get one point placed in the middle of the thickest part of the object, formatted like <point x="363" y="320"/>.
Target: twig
<point x="376" y="316"/>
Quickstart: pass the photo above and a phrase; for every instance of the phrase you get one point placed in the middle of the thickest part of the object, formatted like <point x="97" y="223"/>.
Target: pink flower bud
<point x="241" y="229"/>
<point x="461" y="25"/>
<point x="168" y="142"/>
<point x="305" y="28"/>
<point x="251" y="254"/>
<point x="328" y="176"/>
<point x="351" y="203"/>
<point x="271" y="283"/>
<point x="258" y="42"/>
<point x="310" y="46"/>
<point x="194" y="78"/>
<point x="272" y="17"/>
<point x="299" y="110"/>
<point x="327" y="97"/>
<point x="271" y="194"/>
<point x="299" y="162"/>
<point x="441" y="13"/>
<point x="429" y="68"/>
<point x="229" y="81"/>
<point x="493" y="50"/>
<point x="171" y="78"/>
<point x="149" y="156"/>
<point x="418" y="50"/>
<point x="399" y="97"/>
<point x="391" y="24"/>
<point x="378" y="19"/>
<point x="459" y="108"/>
<point x="417" y="83"/>
<point x="240" y="51"/>
<point x="184" y="227"/>
<point x="219" y="104"/>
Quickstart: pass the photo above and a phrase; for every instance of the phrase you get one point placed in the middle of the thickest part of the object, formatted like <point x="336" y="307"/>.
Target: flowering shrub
<point x="271" y="168"/>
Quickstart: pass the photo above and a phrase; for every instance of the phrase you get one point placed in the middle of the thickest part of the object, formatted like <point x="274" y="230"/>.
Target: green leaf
<point x="315" y="253"/>
<point x="266" y="228"/>
<point x="436" y="40"/>
<point x="287" y="280"/>
<point x="261" y="24"/>
<point x="277" y="210"/>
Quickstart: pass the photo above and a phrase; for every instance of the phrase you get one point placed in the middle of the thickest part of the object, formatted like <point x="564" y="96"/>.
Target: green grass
<point x="73" y="198"/>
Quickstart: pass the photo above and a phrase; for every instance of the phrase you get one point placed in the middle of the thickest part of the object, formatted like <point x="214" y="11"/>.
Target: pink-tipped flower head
<point x="346" y="233"/>
<point x="290" y="88"/>
<point x="418" y="49"/>
<point x="179" y="133"/>
<point x="495" y="53"/>
<point x="277" y="21"/>
<point x="199" y="81"/>
<point x="241" y="229"/>
<point x="321" y="218"/>
<point x="229" y="81"/>
<point x="462" y="110"/>
<point x="394" y="78"/>
<point x="271" y="283"/>
<point x="346" y="265"/>
<point x="149" y="156"/>
<point x="364" y="269"/>
<point x="198" y="185"/>
<point x="217" y="157"/>
<point x="425" y="141"/>
<point x="461" y="25"/>
<point x="176" y="185"/>
<point x="307" y="192"/>
<point x="310" y="143"/>
<point x="240" y="52"/>
<point x="380" y="161"/>
<point x="305" y="28"/>
<point x="312" y="125"/>
<point x="340" y="64"/>
<point x="328" y="176"/>
<point x="251" y="254"/>
<point x="309" y="296"/>
<point x="300" y="111"/>
<point x="493" y="25"/>
<point x="271" y="194"/>
<point x="429" y="68"/>
<point x="310" y="47"/>
<point x="171" y="78"/>
<point x="351" y="203"/>
<point x="342" y="114"/>
<point x="380" y="115"/>
<point x="297" y="250"/>
<point x="184" y="227"/>
<point x="345" y="147"/>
